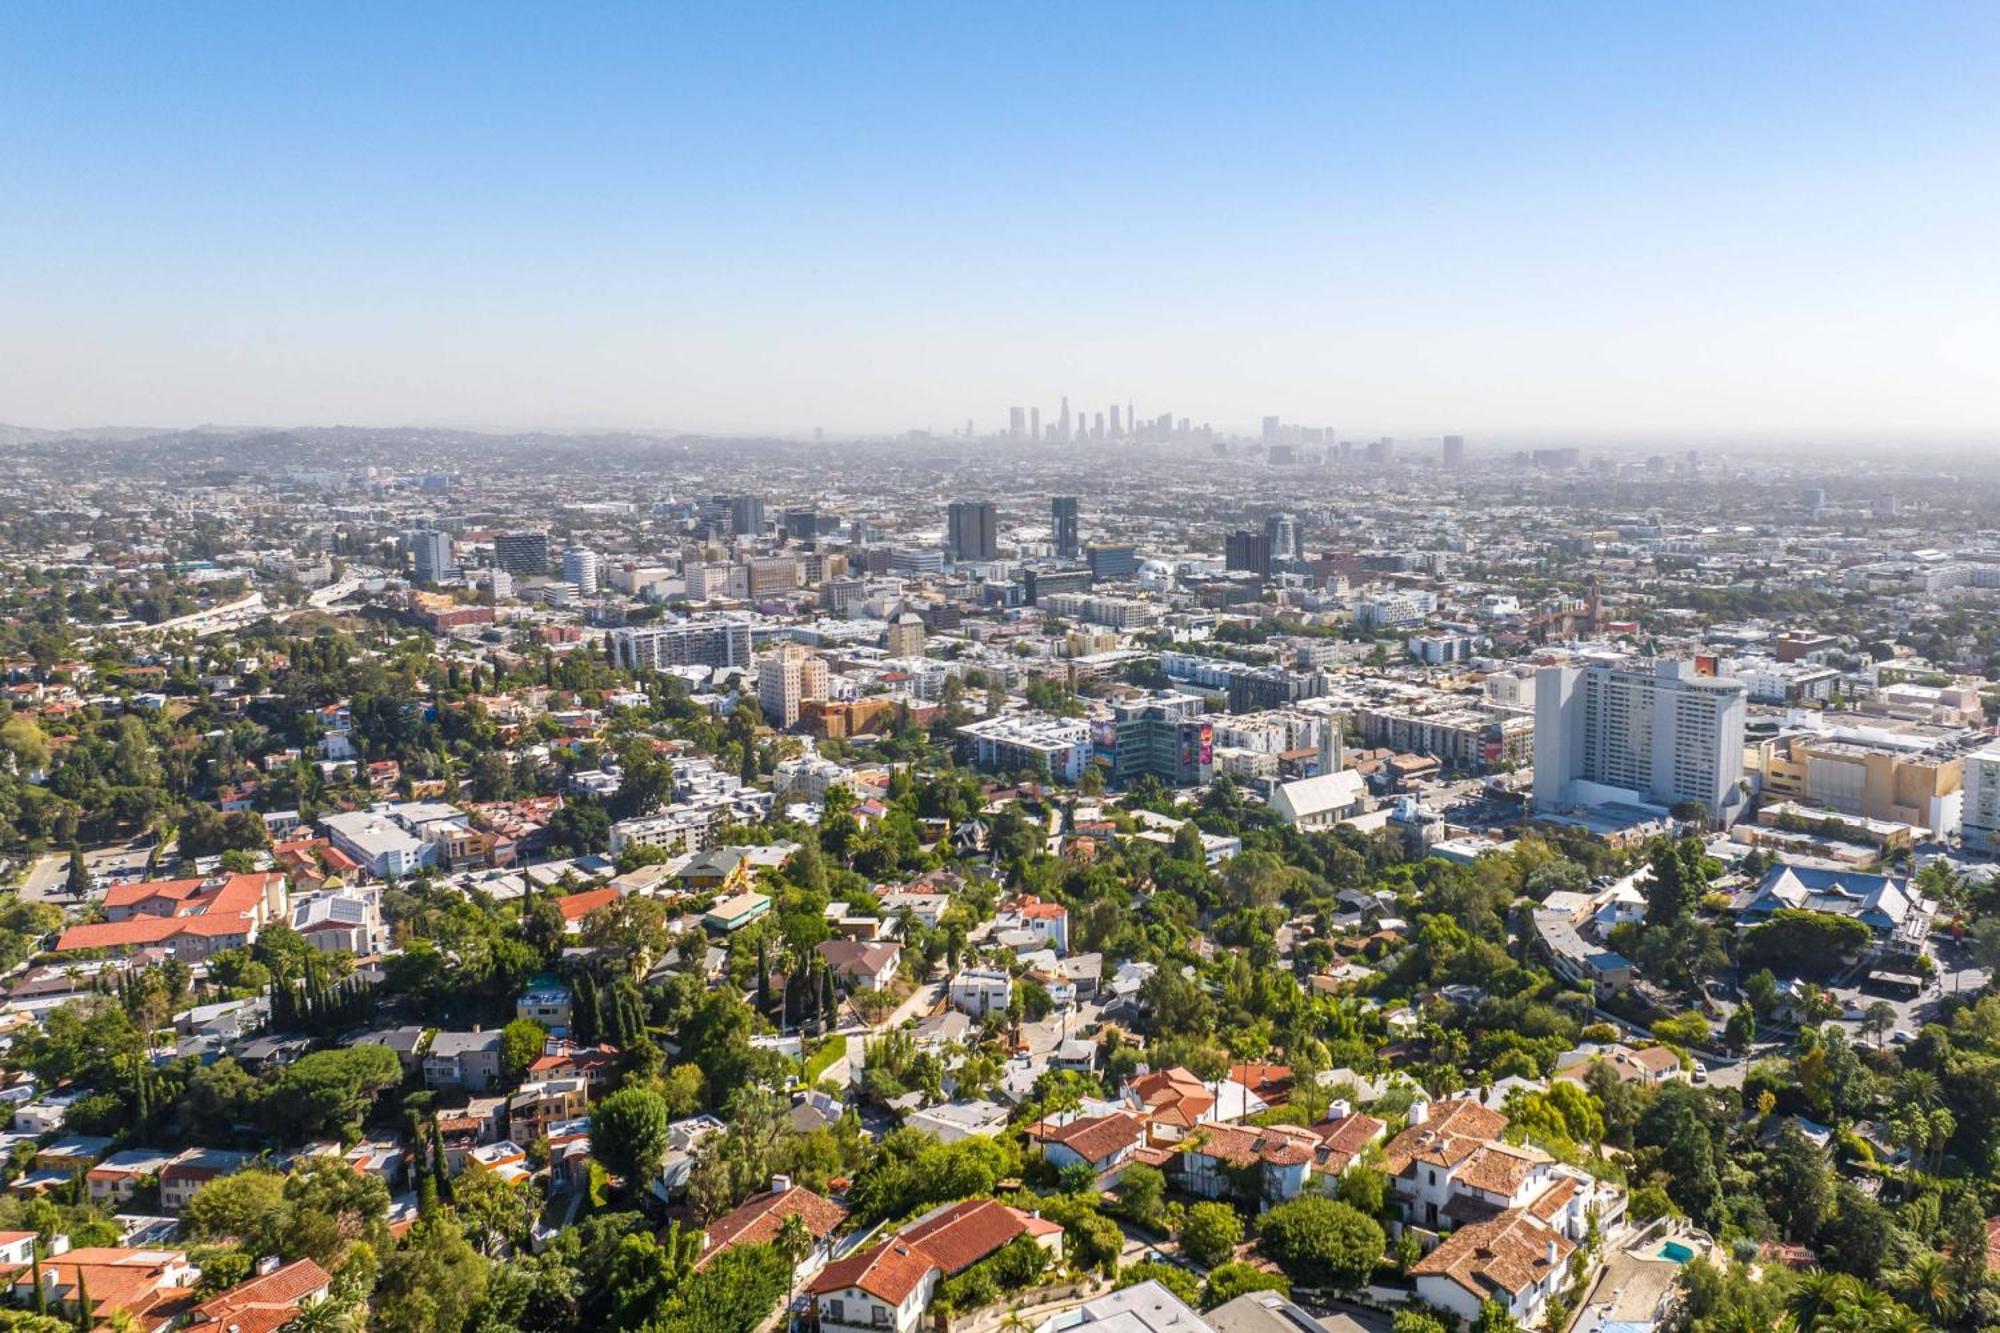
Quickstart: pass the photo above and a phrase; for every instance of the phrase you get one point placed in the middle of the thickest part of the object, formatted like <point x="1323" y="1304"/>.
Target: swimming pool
<point x="1676" y="1251"/>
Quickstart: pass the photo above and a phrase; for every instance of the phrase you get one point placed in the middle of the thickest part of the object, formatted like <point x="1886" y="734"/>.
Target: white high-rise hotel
<point x="1638" y="733"/>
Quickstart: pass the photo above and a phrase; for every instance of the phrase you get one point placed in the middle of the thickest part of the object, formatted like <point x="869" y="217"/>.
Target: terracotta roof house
<point x="1100" y="1142"/>
<point x="1342" y="1140"/>
<point x="263" y="1304"/>
<point x="191" y="918"/>
<point x="1271" y="1083"/>
<point x="155" y="1287"/>
<point x="1282" y="1154"/>
<point x="1174" y="1098"/>
<point x="1513" y="1259"/>
<point x="884" y="1289"/>
<point x="758" y="1219"/>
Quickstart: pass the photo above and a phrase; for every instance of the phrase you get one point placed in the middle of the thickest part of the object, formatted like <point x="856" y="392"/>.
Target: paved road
<point x="46" y="880"/>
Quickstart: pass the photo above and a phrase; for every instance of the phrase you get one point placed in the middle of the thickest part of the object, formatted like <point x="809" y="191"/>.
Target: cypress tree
<point x="83" y="1317"/>
<point x="763" y="975"/>
<point x="826" y="997"/>
<point x="41" y="1292"/>
<point x="440" y="1178"/>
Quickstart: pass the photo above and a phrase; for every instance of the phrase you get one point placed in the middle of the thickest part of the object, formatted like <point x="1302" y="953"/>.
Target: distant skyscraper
<point x="1117" y="428"/>
<point x="431" y="555"/>
<point x="1655" y="733"/>
<point x="1017" y="421"/>
<point x="746" y="515"/>
<point x="1097" y="431"/>
<point x="1062" y="422"/>
<point x="1271" y="430"/>
<point x="1035" y="424"/>
<point x="1067" y="513"/>
<point x="1454" y="451"/>
<point x="522" y="552"/>
<point x="1249" y="550"/>
<point x="1382" y="450"/>
<point x="1282" y="532"/>
<point x="972" y="530"/>
<point x="580" y="568"/>
<point x="802" y="525"/>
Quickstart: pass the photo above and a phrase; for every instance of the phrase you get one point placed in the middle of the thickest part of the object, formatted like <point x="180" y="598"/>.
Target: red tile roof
<point x="263" y="1303"/>
<point x="757" y="1220"/>
<point x="577" y="906"/>
<point x="1093" y="1138"/>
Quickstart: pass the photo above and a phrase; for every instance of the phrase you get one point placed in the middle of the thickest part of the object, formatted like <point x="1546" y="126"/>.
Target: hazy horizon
<point x="1763" y="223"/>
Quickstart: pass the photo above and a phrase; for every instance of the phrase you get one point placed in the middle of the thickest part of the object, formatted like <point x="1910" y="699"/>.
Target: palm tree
<point x="1920" y="1088"/>
<point x="795" y="1241"/>
<point x="1926" y="1284"/>
<point x="324" y="1316"/>
<point x="1816" y="1296"/>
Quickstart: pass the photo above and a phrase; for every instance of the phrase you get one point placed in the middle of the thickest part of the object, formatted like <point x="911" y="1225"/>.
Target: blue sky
<point x="1396" y="219"/>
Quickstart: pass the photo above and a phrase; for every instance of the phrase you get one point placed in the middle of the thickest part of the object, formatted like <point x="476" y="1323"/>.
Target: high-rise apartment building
<point x="1979" y="824"/>
<point x="1250" y="550"/>
<point x="1163" y="734"/>
<point x="973" y="530"/>
<point x="786" y="676"/>
<point x="904" y="636"/>
<point x="1639" y="733"/>
<point x="1066" y="513"/>
<point x="522" y="552"/>
<point x="709" y="643"/>
<point x="431" y="556"/>
<point x="581" y="566"/>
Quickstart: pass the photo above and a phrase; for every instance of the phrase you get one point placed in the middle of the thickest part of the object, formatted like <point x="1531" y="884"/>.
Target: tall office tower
<point x="1035" y="424"/>
<point x="1382" y="450"/>
<point x="1980" y="823"/>
<point x="787" y="676"/>
<point x="1281" y="531"/>
<point x="1067" y="513"/>
<point x="746" y="516"/>
<point x="1454" y="451"/>
<point x="430" y="554"/>
<point x="1097" y="431"/>
<point x="709" y="643"/>
<point x="972" y="530"/>
<point x="1250" y="550"/>
<point x="1131" y="419"/>
<point x="1062" y="422"/>
<point x="580" y="569"/>
<point x="1638" y="733"/>
<point x="522" y="552"/>
<point x="1117" y="427"/>
<point x="1272" y="431"/>
<point x="802" y="525"/>
<point x="1017" y="421"/>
